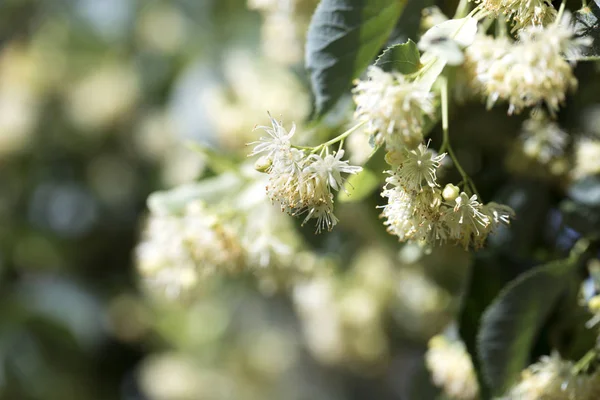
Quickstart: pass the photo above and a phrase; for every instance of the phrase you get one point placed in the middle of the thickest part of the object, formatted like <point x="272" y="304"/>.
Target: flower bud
<point x="450" y="192"/>
<point x="394" y="157"/>
<point x="263" y="164"/>
<point x="594" y="304"/>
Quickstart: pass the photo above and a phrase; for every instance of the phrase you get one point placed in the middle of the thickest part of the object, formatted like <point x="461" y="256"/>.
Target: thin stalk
<point x="584" y="363"/>
<point x="561" y="10"/>
<point x="501" y="29"/>
<point x="462" y="9"/>
<point x="446" y="139"/>
<point x="339" y="137"/>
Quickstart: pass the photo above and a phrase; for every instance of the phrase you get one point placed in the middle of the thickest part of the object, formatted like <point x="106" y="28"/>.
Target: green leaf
<point x="587" y="23"/>
<point x="343" y="38"/>
<point x="409" y="23"/>
<point x="218" y="162"/>
<point x="511" y="324"/>
<point x="359" y="186"/>
<point x="404" y="58"/>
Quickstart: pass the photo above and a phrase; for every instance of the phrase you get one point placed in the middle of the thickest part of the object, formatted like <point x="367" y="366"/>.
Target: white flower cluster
<point x="542" y="139"/>
<point x="553" y="378"/>
<point x="177" y="252"/>
<point x="301" y="182"/>
<point x="587" y="157"/>
<point x="393" y="108"/>
<point x="343" y="317"/>
<point x="451" y="368"/>
<point x="523" y="12"/>
<point x="189" y="239"/>
<point x="418" y="210"/>
<point x="530" y="71"/>
<point x="284" y="27"/>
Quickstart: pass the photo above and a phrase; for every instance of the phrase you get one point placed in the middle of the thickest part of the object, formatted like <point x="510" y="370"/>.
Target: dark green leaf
<point x="404" y="58"/>
<point x="343" y="39"/>
<point x="409" y="23"/>
<point x="512" y="323"/>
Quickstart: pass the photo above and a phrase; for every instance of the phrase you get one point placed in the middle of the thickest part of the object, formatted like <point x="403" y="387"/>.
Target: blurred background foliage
<point x="98" y="99"/>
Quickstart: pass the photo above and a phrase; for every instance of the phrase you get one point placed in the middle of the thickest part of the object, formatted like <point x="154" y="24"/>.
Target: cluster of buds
<point x="418" y="210"/>
<point x="301" y="182"/>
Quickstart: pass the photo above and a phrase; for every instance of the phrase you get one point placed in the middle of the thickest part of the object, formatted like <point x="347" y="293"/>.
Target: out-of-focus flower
<point x="451" y="368"/>
<point x="480" y="56"/>
<point x="539" y="151"/>
<point x="162" y="28"/>
<point x="176" y="377"/>
<point x="179" y="251"/>
<point x="284" y="27"/>
<point x="420" y="307"/>
<point x="587" y="157"/>
<point x="19" y="97"/>
<point x="343" y="315"/>
<point x="252" y="86"/>
<point x="554" y="378"/>
<point x="157" y="138"/>
<point x="219" y="227"/>
<point x="103" y="97"/>
<point x="542" y="139"/>
<point x="431" y="16"/>
<point x="531" y="71"/>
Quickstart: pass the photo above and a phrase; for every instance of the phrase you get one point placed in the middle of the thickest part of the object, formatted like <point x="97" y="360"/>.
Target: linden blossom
<point x="393" y="107"/>
<point x="418" y="210"/>
<point x="299" y="181"/>
<point x="523" y="12"/>
<point x="531" y="71"/>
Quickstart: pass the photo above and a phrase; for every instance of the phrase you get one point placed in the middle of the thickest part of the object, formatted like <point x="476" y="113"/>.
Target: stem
<point x="485" y="25"/>
<point x="583" y="3"/>
<point x="446" y="138"/>
<point x="580" y="247"/>
<point x="588" y="58"/>
<point x="561" y="10"/>
<point x="338" y="138"/>
<point x="461" y="10"/>
<point x="501" y="29"/>
<point x="584" y="363"/>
